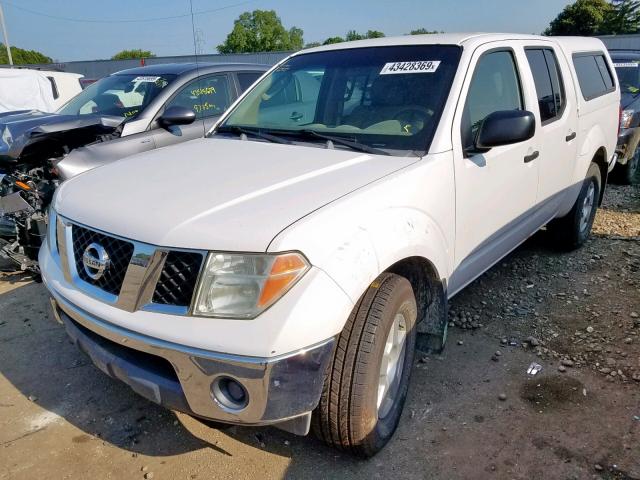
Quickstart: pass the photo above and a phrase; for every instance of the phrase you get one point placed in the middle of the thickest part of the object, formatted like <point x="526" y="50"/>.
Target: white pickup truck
<point x="282" y="270"/>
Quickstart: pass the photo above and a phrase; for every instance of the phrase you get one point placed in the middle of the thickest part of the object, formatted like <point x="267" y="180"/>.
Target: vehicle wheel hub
<point x="392" y="365"/>
<point x="587" y="207"/>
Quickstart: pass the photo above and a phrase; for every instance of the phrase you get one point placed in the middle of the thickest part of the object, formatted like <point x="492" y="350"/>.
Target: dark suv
<point x="627" y="65"/>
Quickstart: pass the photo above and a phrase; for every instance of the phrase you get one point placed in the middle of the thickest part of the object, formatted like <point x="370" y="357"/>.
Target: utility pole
<point x="6" y="36"/>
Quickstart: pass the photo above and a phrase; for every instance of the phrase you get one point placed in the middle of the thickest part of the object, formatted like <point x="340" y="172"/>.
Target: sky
<point x="70" y="30"/>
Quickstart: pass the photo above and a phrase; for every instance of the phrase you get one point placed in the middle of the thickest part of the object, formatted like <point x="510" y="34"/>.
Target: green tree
<point x="422" y="31"/>
<point x="624" y="17"/>
<point x="132" y="54"/>
<point x="353" y="35"/>
<point x="21" y="56"/>
<point x="312" y="44"/>
<point x="332" y="40"/>
<point x="584" y="17"/>
<point x="261" y="31"/>
<point x="374" y="34"/>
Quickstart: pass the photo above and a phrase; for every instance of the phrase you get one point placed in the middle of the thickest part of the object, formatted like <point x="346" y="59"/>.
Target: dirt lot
<point x="473" y="412"/>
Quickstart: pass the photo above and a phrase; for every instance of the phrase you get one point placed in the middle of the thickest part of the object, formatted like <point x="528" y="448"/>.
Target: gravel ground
<point x="473" y="412"/>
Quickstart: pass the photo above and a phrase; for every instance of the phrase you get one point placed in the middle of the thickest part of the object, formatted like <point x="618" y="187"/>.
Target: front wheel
<point x="572" y="230"/>
<point x="366" y="385"/>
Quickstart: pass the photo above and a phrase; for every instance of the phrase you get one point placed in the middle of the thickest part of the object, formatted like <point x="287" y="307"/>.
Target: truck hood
<point x="217" y="194"/>
<point x="23" y="129"/>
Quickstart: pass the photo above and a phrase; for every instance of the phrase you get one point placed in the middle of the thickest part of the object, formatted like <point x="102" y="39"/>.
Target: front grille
<point x="178" y="279"/>
<point x="119" y="251"/>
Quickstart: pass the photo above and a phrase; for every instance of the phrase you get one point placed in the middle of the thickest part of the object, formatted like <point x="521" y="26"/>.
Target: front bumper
<point x="282" y="391"/>
<point x="628" y="140"/>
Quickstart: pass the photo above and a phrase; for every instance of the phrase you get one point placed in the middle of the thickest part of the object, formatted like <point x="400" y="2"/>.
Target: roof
<point x="180" y="68"/>
<point x="462" y="39"/>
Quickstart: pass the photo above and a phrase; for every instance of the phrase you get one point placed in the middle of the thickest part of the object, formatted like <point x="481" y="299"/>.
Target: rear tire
<point x="627" y="174"/>
<point x="364" y="393"/>
<point x="572" y="230"/>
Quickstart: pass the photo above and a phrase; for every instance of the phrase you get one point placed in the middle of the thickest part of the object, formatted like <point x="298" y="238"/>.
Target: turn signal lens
<point x="285" y="270"/>
<point x="244" y="285"/>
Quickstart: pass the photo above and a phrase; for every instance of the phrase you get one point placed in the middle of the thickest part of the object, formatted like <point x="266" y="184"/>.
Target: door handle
<point x="532" y="157"/>
<point x="146" y="140"/>
<point x="570" y="137"/>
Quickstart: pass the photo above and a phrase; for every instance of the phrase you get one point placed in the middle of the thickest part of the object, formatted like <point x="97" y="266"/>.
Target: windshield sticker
<point x="626" y="65"/>
<point x="426" y="66"/>
<point x="146" y="78"/>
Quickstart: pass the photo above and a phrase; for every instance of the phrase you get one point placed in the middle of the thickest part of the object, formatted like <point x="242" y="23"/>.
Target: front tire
<point x="367" y="381"/>
<point x="572" y="230"/>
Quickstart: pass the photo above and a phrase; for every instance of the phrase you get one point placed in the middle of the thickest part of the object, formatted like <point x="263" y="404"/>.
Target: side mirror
<point x="177" y="115"/>
<point x="505" y="128"/>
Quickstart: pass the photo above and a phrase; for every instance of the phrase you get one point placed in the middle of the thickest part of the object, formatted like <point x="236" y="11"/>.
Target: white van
<point x="46" y="91"/>
<point x="284" y="269"/>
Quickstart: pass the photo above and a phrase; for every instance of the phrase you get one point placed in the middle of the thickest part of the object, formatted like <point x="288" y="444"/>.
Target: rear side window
<point x="246" y="79"/>
<point x="594" y="76"/>
<point x="548" y="81"/>
<point x="495" y="86"/>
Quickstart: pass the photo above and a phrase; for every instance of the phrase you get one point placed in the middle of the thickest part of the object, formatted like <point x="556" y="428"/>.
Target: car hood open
<point x="21" y="131"/>
<point x="217" y="194"/>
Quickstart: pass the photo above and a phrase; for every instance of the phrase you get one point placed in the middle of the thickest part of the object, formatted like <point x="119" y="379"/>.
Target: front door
<point x="495" y="189"/>
<point x="208" y="97"/>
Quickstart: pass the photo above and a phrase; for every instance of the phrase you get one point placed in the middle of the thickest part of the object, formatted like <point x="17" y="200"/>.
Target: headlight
<point x="244" y="285"/>
<point x="625" y="120"/>
<point x="6" y="137"/>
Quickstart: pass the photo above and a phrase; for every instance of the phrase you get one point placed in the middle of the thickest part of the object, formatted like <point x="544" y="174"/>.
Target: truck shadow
<point x="37" y="358"/>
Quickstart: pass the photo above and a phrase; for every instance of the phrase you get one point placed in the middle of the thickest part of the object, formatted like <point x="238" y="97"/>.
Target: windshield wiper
<point x="361" y="147"/>
<point x="255" y="133"/>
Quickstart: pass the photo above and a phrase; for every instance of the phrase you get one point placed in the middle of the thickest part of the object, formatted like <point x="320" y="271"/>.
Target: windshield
<point x="382" y="97"/>
<point x="628" y="75"/>
<point x="119" y="95"/>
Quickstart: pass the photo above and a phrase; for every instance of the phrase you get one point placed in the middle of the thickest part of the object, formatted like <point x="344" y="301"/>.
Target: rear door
<point x="557" y="119"/>
<point x="208" y="97"/>
<point x="496" y="189"/>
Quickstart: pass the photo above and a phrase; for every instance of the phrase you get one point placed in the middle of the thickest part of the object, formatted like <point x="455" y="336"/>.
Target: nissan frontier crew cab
<point x="284" y="269"/>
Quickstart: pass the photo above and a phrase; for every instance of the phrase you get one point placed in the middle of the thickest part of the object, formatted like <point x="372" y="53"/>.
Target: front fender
<point x="384" y="239"/>
<point x="354" y="239"/>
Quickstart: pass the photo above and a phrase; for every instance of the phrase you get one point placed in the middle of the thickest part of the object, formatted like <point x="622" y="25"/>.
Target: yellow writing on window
<point x="204" y="107"/>
<point x="196" y="92"/>
<point x="131" y="113"/>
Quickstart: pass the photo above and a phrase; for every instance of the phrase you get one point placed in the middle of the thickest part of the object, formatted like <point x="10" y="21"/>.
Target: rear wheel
<point x="366" y="385"/>
<point x="627" y="174"/>
<point x="572" y="230"/>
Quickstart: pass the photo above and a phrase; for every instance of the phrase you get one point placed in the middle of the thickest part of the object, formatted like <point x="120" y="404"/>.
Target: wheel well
<point x="423" y="277"/>
<point x="600" y="159"/>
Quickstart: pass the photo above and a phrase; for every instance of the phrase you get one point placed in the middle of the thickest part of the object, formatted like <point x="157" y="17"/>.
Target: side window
<point x="548" y="82"/>
<point x="246" y="79"/>
<point x="495" y="86"/>
<point x="207" y="96"/>
<point x="594" y="76"/>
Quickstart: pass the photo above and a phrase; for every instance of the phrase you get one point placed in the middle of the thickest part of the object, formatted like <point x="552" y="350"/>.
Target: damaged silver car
<point x="129" y="112"/>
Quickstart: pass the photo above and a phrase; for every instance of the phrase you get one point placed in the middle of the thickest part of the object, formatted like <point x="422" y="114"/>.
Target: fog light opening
<point x="229" y="393"/>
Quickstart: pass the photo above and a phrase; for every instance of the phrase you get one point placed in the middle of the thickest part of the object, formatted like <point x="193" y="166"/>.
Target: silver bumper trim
<point x="280" y="388"/>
